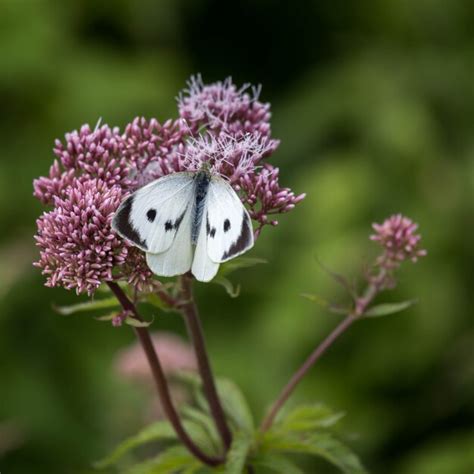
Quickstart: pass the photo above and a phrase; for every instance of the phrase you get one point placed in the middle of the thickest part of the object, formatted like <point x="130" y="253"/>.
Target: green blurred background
<point x="374" y="104"/>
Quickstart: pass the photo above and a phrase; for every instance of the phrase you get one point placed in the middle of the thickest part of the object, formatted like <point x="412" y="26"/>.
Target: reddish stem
<point x="160" y="380"/>
<point x="196" y="334"/>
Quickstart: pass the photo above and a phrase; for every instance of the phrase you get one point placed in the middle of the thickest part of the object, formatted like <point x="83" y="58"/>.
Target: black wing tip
<point x="122" y="225"/>
<point x="245" y="240"/>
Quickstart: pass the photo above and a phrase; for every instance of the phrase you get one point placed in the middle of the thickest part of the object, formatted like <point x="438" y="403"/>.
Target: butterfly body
<point x="186" y="221"/>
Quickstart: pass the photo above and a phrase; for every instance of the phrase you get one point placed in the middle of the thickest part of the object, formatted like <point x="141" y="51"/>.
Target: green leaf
<point x="307" y="418"/>
<point x="232" y="291"/>
<point x="136" y="323"/>
<point x="238" y="452"/>
<point x="233" y="401"/>
<point x="385" y="309"/>
<point x="318" y="444"/>
<point x="206" y="422"/>
<point x="172" y="460"/>
<point x="87" y="306"/>
<point x="276" y="463"/>
<point x="161" y="430"/>
<point x="240" y="262"/>
<point x="107" y="317"/>
<point x="235" y="405"/>
<point x="156" y="431"/>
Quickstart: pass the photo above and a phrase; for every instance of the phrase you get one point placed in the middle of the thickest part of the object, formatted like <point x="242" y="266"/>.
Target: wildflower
<point x="153" y="150"/>
<point x="265" y="197"/>
<point x="399" y="241"/>
<point x="95" y="169"/>
<point x="78" y="249"/>
<point x="222" y="107"/>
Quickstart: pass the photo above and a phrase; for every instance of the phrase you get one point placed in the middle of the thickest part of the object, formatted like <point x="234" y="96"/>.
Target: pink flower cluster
<point x="398" y="238"/>
<point x="220" y="126"/>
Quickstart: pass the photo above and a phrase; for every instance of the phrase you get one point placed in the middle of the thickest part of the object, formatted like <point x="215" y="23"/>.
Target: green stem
<point x="160" y="380"/>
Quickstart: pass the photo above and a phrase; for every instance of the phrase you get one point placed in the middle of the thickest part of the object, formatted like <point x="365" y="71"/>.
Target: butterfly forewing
<point x="179" y="257"/>
<point x="228" y="226"/>
<point x="152" y="216"/>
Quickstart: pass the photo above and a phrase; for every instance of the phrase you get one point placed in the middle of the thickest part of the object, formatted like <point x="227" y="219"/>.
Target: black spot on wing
<point x="212" y="234"/>
<point x="243" y="240"/>
<point x="226" y="225"/>
<point x="151" y="214"/>
<point x="122" y="223"/>
<point x="170" y="225"/>
<point x="178" y="221"/>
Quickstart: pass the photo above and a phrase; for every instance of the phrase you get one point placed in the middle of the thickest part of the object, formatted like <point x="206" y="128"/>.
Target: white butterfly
<point x="186" y="221"/>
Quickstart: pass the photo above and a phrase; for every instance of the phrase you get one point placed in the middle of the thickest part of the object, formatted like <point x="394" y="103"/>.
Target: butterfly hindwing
<point x="228" y="226"/>
<point x="203" y="268"/>
<point x="152" y="216"/>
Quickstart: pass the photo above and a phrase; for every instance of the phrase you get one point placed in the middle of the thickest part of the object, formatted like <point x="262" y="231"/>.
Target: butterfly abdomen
<point x="201" y="183"/>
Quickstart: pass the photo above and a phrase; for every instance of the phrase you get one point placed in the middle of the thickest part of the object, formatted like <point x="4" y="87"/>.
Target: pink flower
<point x="86" y="154"/>
<point x="153" y="150"/>
<point x="95" y="170"/>
<point x="222" y="107"/>
<point x="77" y="246"/>
<point x="398" y="238"/>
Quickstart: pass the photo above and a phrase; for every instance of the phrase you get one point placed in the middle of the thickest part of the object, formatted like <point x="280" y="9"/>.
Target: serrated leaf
<point x="161" y="430"/>
<point x="237" y="455"/>
<point x="172" y="460"/>
<point x="232" y="291"/>
<point x="276" y="463"/>
<point x="385" y="309"/>
<point x="321" y="445"/>
<point x="87" y="306"/>
<point x="235" y="405"/>
<point x="307" y="418"/>
<point x="136" y="323"/>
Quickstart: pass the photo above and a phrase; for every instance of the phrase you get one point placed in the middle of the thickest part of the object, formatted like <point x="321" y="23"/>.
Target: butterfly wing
<point x="152" y="216"/>
<point x="177" y="259"/>
<point x="228" y="225"/>
<point x="225" y="232"/>
<point x="203" y="268"/>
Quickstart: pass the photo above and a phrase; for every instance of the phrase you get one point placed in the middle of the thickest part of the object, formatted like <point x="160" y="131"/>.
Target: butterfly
<point x="186" y="221"/>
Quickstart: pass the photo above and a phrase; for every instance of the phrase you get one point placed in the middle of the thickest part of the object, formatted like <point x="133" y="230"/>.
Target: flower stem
<point x="301" y="372"/>
<point x="196" y="334"/>
<point x="361" y="304"/>
<point x="160" y="380"/>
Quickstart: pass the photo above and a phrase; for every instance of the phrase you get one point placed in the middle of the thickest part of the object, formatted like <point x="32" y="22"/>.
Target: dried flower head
<point x="398" y="238"/>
